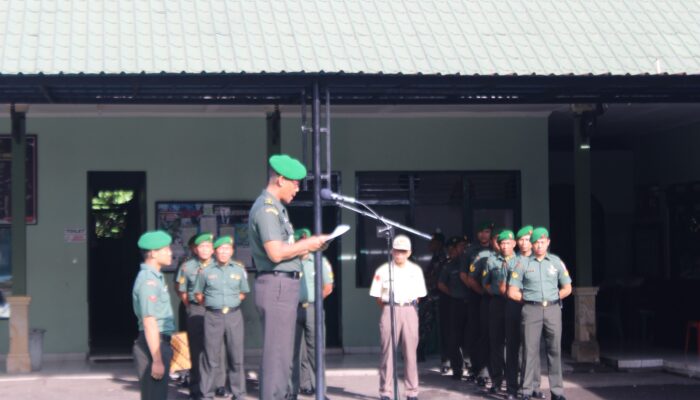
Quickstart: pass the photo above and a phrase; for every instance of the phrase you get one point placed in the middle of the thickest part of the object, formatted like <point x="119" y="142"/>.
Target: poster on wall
<point x="6" y="180"/>
<point x="184" y="219"/>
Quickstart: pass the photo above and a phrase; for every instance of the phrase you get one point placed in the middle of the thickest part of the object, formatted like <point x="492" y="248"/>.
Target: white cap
<point x="401" y="242"/>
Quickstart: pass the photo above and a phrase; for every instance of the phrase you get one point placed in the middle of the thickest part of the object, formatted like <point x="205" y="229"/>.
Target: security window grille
<point x="452" y="201"/>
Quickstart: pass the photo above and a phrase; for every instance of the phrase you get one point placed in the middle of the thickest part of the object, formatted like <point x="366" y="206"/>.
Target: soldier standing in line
<point x="433" y="311"/>
<point x="541" y="284"/>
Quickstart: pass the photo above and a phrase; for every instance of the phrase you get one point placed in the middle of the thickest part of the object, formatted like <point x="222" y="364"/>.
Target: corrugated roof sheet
<point x="371" y="36"/>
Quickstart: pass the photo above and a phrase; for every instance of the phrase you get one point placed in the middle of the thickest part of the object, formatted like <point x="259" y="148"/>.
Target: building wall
<point x="222" y="158"/>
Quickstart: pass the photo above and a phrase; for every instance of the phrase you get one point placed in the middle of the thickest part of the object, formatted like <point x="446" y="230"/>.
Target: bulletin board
<point x="6" y="179"/>
<point x="184" y="219"/>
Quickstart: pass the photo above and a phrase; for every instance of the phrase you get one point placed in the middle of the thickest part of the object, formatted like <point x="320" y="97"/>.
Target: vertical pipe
<point x="318" y="281"/>
<point x="328" y="139"/>
<point x="18" y="189"/>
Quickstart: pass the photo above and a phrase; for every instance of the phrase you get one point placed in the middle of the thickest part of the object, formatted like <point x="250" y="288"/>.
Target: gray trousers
<point x="497" y="339"/>
<point x="304" y="364"/>
<point x="276" y="298"/>
<point x="406" y="336"/>
<point x="195" y="338"/>
<point x="536" y="320"/>
<point x="150" y="388"/>
<point x="220" y="329"/>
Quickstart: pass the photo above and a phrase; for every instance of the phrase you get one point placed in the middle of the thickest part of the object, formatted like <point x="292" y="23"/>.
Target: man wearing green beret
<point x="513" y="311"/>
<point x="186" y="278"/>
<point x="277" y="258"/>
<point x="494" y="276"/>
<point x="541" y="285"/>
<point x="154" y="313"/>
<point x="452" y="286"/>
<point x="221" y="288"/>
<point x="304" y="363"/>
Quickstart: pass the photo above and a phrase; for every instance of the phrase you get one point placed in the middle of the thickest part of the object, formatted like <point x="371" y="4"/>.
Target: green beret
<point x="524" y="231"/>
<point x="203" y="237"/>
<point x="288" y="167"/>
<point x="227" y="239"/>
<point x="484" y="225"/>
<point x="505" y="234"/>
<point x="538" y="233"/>
<point x="154" y="240"/>
<point x="301" y="232"/>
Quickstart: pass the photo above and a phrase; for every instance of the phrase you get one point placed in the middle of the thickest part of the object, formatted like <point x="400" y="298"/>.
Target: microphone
<point x="326" y="194"/>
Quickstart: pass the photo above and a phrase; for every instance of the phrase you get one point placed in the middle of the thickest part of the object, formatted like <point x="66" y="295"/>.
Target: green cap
<point x="288" y="167"/>
<point x="203" y="237"/>
<point x="226" y="239"/>
<point x="301" y="232"/>
<point x="538" y="233"/>
<point x="154" y="240"/>
<point x="505" y="234"/>
<point x="524" y="231"/>
<point x="484" y="225"/>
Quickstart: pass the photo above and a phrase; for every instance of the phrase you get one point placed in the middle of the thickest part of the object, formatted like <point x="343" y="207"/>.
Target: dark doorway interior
<point x="116" y="218"/>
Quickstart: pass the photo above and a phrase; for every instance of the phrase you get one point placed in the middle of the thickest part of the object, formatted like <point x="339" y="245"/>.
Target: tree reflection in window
<point x="109" y="208"/>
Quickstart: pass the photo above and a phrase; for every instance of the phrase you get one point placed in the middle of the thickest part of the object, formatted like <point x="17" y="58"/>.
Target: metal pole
<point x="18" y="189"/>
<point x="318" y="281"/>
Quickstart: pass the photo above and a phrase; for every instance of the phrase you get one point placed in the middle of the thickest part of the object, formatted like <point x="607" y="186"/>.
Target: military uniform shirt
<point x="187" y="276"/>
<point x="150" y="298"/>
<point x="540" y="280"/>
<point x="221" y="285"/>
<point x="478" y="265"/>
<point x="473" y="251"/>
<point x="497" y="271"/>
<point x="409" y="283"/>
<point x="306" y="291"/>
<point x="450" y="277"/>
<point x="268" y="221"/>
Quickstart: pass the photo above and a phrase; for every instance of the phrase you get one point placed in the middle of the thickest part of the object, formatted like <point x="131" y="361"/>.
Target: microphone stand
<point x="388" y="232"/>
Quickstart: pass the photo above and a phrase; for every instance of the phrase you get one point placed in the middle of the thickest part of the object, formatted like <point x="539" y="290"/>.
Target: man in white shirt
<point x="409" y="286"/>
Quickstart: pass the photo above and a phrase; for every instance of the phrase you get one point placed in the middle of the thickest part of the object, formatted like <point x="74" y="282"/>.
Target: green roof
<point x="483" y="37"/>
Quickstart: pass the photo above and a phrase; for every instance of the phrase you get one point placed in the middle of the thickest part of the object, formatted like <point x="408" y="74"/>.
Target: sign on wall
<point x="184" y="219"/>
<point x="6" y="179"/>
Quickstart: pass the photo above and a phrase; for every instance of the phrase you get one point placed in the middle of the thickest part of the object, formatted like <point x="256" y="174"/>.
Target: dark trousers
<point x="276" y="298"/>
<point x="459" y="312"/>
<point x="195" y="338"/>
<point x="497" y="339"/>
<point x="482" y="344"/>
<point x="150" y="388"/>
<point x="472" y="330"/>
<point x="538" y="320"/>
<point x="220" y="329"/>
<point x="444" y="321"/>
<point x="513" y="341"/>
<point x="304" y="362"/>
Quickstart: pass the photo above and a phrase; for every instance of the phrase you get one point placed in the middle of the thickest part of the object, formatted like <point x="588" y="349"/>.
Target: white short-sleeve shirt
<point x="409" y="283"/>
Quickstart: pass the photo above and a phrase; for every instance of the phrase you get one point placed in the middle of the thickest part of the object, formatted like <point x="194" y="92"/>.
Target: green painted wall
<point x="175" y="151"/>
<point x="361" y="144"/>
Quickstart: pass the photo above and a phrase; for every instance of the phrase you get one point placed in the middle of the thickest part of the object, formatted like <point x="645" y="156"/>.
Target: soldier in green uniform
<point x="542" y="283"/>
<point x="304" y="364"/>
<point x="498" y="268"/>
<point x="277" y="259"/>
<point x="476" y="271"/>
<point x="469" y="276"/>
<point x="451" y="285"/>
<point x="434" y="309"/>
<point x="221" y="288"/>
<point x="154" y="313"/>
<point x="513" y="332"/>
<point x="186" y="278"/>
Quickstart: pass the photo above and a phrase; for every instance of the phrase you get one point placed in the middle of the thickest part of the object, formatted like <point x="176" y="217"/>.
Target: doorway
<point x="116" y="218"/>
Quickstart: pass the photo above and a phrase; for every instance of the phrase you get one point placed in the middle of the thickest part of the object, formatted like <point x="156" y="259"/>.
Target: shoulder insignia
<point x="472" y="268"/>
<point x="272" y="211"/>
<point x="268" y="200"/>
<point x="151" y="282"/>
<point x="484" y="273"/>
<point x="182" y="280"/>
<point x="514" y="275"/>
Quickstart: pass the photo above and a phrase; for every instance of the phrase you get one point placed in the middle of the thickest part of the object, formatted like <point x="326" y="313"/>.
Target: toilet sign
<point x="74" y="235"/>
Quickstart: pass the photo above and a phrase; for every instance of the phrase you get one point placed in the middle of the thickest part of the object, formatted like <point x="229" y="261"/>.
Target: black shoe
<point x="307" y="391"/>
<point x="555" y="397"/>
<point x="456" y="376"/>
<point x="220" y="392"/>
<point x="444" y="370"/>
<point x="384" y="398"/>
<point x="481" y="382"/>
<point x="538" y="395"/>
<point x="493" y="390"/>
<point x="526" y="398"/>
<point x="511" y="396"/>
<point x="412" y="398"/>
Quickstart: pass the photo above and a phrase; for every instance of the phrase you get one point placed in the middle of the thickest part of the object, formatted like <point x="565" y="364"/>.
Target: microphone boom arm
<point x="383" y="220"/>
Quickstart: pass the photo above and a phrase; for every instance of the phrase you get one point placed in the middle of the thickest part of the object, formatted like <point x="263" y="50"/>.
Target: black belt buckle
<point x="288" y="274"/>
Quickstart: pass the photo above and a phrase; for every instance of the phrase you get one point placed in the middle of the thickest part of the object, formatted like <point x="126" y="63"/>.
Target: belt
<point x="306" y="304"/>
<point x="402" y="304"/>
<point x="288" y="274"/>
<point x="223" y="310"/>
<point x="545" y="303"/>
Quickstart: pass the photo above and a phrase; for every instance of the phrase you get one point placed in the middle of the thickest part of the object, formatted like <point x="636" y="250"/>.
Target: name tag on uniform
<point x="236" y="277"/>
<point x="552" y="270"/>
<point x="211" y="276"/>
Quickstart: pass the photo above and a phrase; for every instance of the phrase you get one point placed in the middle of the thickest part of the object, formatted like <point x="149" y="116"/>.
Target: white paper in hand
<point x="339" y="230"/>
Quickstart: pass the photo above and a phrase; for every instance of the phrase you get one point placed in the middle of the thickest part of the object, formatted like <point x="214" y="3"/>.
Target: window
<point x="452" y="201"/>
<point x="110" y="210"/>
